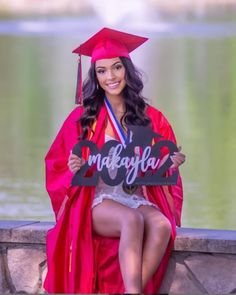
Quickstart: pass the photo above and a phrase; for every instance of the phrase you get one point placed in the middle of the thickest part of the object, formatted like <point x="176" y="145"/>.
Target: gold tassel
<point x="70" y="258"/>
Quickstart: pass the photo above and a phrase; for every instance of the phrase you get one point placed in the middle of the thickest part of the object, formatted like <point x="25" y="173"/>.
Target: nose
<point x="110" y="75"/>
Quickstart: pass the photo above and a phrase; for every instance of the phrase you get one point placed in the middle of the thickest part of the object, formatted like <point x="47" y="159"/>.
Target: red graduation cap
<point x="107" y="43"/>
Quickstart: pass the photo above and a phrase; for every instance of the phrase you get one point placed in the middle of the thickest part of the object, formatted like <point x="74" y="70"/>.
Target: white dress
<point x="116" y="193"/>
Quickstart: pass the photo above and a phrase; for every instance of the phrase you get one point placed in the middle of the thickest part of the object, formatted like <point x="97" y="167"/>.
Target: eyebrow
<point x="101" y="67"/>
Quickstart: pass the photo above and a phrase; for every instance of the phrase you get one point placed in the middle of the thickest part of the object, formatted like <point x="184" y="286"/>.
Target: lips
<point x="113" y="85"/>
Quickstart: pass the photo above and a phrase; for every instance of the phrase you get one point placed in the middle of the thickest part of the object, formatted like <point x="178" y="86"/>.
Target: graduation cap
<point x="106" y="43"/>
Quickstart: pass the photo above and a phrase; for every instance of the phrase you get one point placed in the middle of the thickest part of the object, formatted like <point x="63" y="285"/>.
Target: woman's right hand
<point x="75" y="162"/>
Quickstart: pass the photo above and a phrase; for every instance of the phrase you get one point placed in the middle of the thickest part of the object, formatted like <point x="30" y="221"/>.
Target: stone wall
<point x="203" y="261"/>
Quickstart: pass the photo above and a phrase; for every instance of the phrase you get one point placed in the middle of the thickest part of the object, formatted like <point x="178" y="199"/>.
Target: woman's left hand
<point x="177" y="159"/>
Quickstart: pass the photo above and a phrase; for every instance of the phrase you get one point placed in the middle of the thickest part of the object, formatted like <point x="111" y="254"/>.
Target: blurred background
<point x="189" y="73"/>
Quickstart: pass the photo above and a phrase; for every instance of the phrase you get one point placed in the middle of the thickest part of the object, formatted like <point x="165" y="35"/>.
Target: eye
<point x="100" y="71"/>
<point x="118" y="67"/>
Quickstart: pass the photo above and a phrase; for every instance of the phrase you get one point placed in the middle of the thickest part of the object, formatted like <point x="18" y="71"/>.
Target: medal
<point x="129" y="189"/>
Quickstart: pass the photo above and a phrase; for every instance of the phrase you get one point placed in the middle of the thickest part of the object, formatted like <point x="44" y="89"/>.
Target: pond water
<point x="189" y="74"/>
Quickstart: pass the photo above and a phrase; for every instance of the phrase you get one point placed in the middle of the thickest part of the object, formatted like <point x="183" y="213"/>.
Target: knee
<point x="161" y="230"/>
<point x="165" y="227"/>
<point x="133" y="220"/>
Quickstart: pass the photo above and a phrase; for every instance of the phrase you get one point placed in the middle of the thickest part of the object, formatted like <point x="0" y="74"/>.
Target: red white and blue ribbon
<point x="116" y="124"/>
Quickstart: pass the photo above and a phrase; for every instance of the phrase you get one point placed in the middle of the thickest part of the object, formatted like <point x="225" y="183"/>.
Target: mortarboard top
<point x="106" y="43"/>
<point x="109" y="43"/>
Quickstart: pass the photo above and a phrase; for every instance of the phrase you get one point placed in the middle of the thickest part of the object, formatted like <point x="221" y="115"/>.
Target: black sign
<point x="133" y="167"/>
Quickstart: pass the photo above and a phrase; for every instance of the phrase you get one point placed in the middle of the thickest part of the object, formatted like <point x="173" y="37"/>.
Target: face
<point x="111" y="75"/>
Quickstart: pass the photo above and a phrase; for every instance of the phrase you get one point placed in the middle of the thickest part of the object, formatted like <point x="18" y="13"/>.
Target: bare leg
<point x="157" y="235"/>
<point x="111" y="219"/>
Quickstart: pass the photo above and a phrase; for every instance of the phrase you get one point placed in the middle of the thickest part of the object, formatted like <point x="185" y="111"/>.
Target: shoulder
<point x="74" y="116"/>
<point x="71" y="122"/>
<point x="75" y="113"/>
<point x="156" y="116"/>
<point x="152" y="111"/>
<point x="160" y="124"/>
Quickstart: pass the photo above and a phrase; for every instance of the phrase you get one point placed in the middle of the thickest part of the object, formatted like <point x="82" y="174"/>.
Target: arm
<point x="58" y="176"/>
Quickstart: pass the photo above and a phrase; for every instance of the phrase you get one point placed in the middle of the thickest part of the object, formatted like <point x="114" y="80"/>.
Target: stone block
<point x="43" y="272"/>
<point x="3" y="280"/>
<point x="5" y="235"/>
<point x="206" y="240"/>
<point x="32" y="233"/>
<point x="24" y="232"/>
<point x="7" y="226"/>
<point x="182" y="281"/>
<point x="23" y="264"/>
<point x="169" y="276"/>
<point x="216" y="273"/>
<point x="178" y="280"/>
<point x="2" y="275"/>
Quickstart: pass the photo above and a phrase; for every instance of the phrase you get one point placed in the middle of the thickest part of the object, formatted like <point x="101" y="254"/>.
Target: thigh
<point x="109" y="217"/>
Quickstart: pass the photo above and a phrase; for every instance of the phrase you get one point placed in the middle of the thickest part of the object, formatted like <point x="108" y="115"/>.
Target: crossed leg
<point x="157" y="230"/>
<point x="111" y="219"/>
<point x="138" y="257"/>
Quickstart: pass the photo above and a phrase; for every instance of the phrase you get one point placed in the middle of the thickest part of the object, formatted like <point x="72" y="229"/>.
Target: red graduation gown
<point x="78" y="260"/>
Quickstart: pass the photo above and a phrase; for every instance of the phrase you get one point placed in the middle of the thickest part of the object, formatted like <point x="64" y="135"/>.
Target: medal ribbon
<point x="116" y="124"/>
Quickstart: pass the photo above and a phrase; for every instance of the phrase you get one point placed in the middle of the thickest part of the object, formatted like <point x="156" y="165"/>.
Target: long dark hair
<point x="93" y="97"/>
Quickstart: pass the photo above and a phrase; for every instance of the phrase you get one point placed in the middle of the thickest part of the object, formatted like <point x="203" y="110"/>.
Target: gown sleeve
<point x="58" y="176"/>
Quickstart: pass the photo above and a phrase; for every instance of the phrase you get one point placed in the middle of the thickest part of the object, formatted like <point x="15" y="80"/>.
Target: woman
<point x="105" y="239"/>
